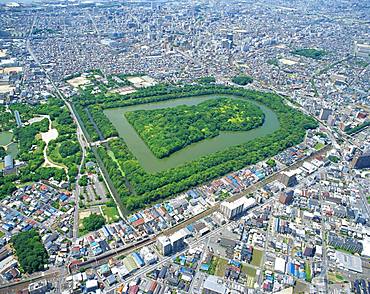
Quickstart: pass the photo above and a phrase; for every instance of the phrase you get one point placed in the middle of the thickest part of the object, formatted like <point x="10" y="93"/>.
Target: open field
<point x="221" y="267"/>
<point x="257" y="257"/>
<point x="110" y="213"/>
<point x="250" y="273"/>
<point x="77" y="82"/>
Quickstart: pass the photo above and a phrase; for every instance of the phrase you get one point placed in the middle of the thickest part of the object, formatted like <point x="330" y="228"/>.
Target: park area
<point x="171" y="140"/>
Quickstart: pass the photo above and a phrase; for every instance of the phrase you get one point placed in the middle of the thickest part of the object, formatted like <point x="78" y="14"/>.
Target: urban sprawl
<point x="203" y="146"/>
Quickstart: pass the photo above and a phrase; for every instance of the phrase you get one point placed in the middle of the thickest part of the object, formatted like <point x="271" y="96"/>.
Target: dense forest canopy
<point x="93" y="222"/>
<point x="170" y="129"/>
<point x="30" y="251"/>
<point x="310" y="53"/>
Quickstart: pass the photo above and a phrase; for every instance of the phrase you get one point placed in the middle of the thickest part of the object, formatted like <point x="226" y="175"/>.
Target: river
<point x="194" y="151"/>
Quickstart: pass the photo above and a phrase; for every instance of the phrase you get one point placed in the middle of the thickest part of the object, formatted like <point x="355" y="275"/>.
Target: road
<point x="84" y="143"/>
<point x="51" y="275"/>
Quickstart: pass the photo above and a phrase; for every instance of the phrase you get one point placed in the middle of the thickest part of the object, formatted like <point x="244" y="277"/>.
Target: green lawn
<point x="257" y="257"/>
<point x="249" y="271"/>
<point x="307" y="269"/>
<point x="221" y="267"/>
<point x="110" y="213"/>
<point x="335" y="278"/>
<point x="319" y="146"/>
<point x="111" y="155"/>
<point x="2" y="234"/>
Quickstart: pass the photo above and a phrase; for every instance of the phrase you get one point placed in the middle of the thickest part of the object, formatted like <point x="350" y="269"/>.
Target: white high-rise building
<point x="237" y="207"/>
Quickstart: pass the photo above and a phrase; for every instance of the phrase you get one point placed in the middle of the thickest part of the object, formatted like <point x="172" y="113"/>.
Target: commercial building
<point x="324" y="113"/>
<point x="213" y="285"/>
<point x="288" y="178"/>
<point x="233" y="209"/>
<point x="362" y="161"/>
<point x="362" y="50"/>
<point x="171" y="244"/>
<point x="40" y="287"/>
<point x="349" y="261"/>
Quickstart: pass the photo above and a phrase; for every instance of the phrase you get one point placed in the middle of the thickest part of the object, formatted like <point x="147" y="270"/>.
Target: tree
<point x="207" y="80"/>
<point x="310" y="53"/>
<point x="271" y="162"/>
<point x="2" y="152"/>
<point x="30" y="251"/>
<point x="84" y="181"/>
<point x="7" y="187"/>
<point x="68" y="148"/>
<point x="93" y="222"/>
<point x="174" y="128"/>
<point x="242" y="80"/>
<point x="144" y="188"/>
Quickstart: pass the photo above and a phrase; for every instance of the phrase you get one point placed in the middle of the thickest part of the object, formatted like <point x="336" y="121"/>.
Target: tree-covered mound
<point x="310" y="53"/>
<point x="242" y="80"/>
<point x="137" y="188"/>
<point x="168" y="130"/>
<point x="30" y="251"/>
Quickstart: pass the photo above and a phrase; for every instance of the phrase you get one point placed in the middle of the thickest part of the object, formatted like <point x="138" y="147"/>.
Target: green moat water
<point x="194" y="151"/>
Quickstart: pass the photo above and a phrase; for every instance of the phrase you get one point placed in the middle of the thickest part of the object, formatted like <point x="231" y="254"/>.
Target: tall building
<point x="40" y="287"/>
<point x="164" y="245"/>
<point x="362" y="50"/>
<point x="324" y="113"/>
<point x="286" y="197"/>
<point x="288" y="178"/>
<point x="234" y="209"/>
<point x="230" y="37"/>
<point x="171" y="244"/>
<point x="331" y="120"/>
<point x="227" y="44"/>
<point x="344" y="126"/>
<point x="362" y="161"/>
<point x="178" y="240"/>
<point x="8" y="162"/>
